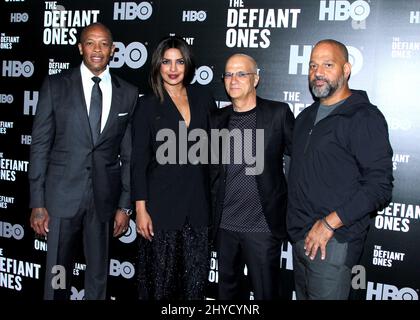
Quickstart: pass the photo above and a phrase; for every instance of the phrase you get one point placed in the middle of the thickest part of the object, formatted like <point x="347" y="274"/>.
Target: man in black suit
<point x="79" y="164"/>
<point x="249" y="206"/>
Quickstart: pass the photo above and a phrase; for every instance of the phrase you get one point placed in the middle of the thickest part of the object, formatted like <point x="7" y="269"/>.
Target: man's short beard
<point x="328" y="89"/>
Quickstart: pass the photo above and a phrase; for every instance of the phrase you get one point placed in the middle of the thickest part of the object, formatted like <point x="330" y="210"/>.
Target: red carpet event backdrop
<point x="383" y="38"/>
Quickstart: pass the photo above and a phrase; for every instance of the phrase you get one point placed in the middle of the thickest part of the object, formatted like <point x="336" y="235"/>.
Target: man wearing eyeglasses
<point x="249" y="207"/>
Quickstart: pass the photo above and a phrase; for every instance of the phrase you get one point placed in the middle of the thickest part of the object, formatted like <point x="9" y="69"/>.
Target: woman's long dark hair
<point x="155" y="78"/>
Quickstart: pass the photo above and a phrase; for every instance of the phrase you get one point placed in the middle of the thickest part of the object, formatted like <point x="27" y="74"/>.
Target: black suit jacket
<point x="277" y="121"/>
<point x="63" y="155"/>
<point x="176" y="191"/>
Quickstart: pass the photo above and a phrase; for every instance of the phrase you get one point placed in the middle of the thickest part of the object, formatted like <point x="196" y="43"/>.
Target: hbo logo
<point x="77" y="295"/>
<point x="19" y="17"/>
<point x="192" y="16"/>
<point x="295" y="59"/>
<point x="17" y="69"/>
<point x="6" y="98"/>
<point x="203" y="75"/>
<point x="355" y="59"/>
<point x="341" y="10"/>
<point x="11" y="231"/>
<point x="389" y="292"/>
<point x="399" y="124"/>
<point x="130" y="235"/>
<point x="132" y="10"/>
<point x="124" y="269"/>
<point x="134" y="55"/>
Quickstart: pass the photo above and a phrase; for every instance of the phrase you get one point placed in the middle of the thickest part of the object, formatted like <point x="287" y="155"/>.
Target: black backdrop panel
<point x="383" y="39"/>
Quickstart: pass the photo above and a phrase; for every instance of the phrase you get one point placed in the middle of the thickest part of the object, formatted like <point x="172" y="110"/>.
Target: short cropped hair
<point x="92" y="25"/>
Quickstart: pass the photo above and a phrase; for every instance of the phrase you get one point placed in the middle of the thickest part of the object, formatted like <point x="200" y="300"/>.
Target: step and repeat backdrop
<point x="39" y="38"/>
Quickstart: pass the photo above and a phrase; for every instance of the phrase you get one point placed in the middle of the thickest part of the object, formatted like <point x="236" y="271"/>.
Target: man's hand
<point x="121" y="222"/>
<point x="320" y="234"/>
<point x="317" y="238"/>
<point x="39" y="221"/>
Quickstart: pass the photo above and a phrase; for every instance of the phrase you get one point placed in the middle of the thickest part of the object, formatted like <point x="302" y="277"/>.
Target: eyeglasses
<point x="239" y="74"/>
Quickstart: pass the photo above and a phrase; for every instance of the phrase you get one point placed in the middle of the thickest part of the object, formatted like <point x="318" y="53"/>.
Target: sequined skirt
<point x="174" y="265"/>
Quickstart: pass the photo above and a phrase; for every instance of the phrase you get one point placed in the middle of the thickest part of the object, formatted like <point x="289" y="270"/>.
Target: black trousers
<point x="63" y="239"/>
<point x="260" y="251"/>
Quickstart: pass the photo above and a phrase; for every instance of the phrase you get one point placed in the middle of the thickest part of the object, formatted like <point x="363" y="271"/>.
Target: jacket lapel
<point x="80" y="103"/>
<point x="224" y="124"/>
<point x="264" y="121"/>
<point x="191" y="103"/>
<point x="116" y="101"/>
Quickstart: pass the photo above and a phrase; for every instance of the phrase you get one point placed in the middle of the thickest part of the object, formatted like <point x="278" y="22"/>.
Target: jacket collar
<point x="357" y="100"/>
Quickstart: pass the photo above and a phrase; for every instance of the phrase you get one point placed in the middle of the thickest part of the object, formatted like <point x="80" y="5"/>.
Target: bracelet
<point x="327" y="225"/>
<point x="127" y="211"/>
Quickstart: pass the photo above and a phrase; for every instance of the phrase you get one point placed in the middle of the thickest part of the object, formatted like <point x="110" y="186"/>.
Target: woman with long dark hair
<point x="170" y="189"/>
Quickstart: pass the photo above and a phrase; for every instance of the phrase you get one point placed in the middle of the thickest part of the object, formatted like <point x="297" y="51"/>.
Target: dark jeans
<point x="317" y="279"/>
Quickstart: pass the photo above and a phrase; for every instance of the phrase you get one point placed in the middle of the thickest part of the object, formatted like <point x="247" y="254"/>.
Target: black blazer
<point x="63" y="155"/>
<point x="277" y="121"/>
<point x="176" y="191"/>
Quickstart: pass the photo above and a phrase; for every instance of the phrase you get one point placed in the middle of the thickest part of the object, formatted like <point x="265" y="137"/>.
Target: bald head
<point x="241" y="82"/>
<point x="251" y="60"/>
<point x="338" y="45"/>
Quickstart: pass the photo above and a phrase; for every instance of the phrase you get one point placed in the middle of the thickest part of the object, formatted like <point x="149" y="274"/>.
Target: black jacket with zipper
<point x="342" y="164"/>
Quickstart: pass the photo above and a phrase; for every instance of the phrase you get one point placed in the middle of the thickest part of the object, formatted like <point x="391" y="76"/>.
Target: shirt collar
<point x="87" y="74"/>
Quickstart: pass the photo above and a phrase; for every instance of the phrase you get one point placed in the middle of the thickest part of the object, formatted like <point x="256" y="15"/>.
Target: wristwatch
<point x="128" y="212"/>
